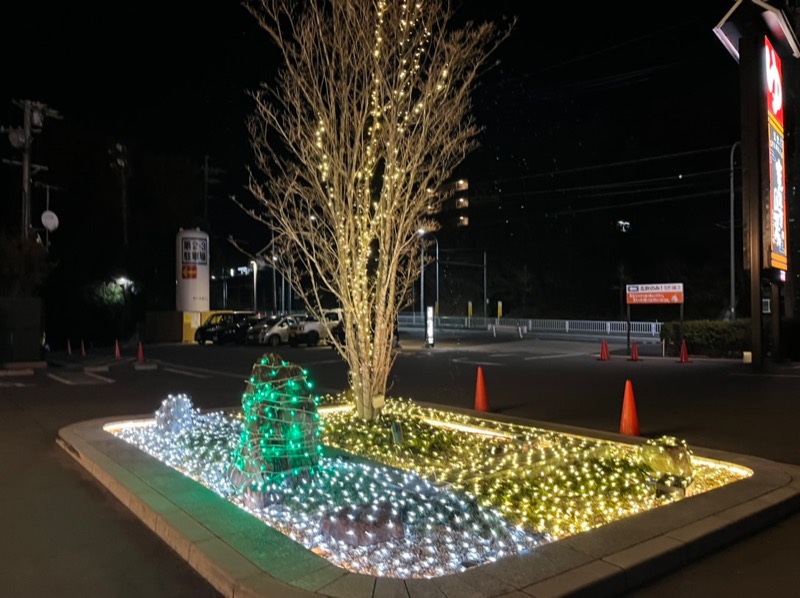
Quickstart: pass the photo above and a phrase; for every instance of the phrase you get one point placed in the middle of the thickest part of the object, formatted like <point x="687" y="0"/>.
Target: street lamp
<point x="422" y="282"/>
<point x="485" y="296"/>
<point x="422" y="232"/>
<point x="733" y="273"/>
<point x="254" y="265"/>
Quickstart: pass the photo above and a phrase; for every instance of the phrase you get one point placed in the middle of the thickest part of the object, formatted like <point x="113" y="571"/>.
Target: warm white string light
<point x="466" y="490"/>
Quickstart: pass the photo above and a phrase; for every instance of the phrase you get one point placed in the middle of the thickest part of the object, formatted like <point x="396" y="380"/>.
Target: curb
<point x="21" y="368"/>
<point x="603" y="562"/>
<point x="8" y="373"/>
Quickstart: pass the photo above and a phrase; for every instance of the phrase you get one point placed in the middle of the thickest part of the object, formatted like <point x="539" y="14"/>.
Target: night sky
<point x="596" y="113"/>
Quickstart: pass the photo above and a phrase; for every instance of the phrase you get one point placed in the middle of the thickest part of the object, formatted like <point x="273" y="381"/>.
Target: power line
<point x="642" y="203"/>
<point x="611" y="164"/>
<point x="615" y="188"/>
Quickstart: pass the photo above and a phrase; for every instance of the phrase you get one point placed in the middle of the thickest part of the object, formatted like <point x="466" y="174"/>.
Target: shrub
<point x="712" y="338"/>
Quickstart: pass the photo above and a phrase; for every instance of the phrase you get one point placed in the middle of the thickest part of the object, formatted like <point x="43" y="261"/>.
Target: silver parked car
<point x="272" y="331"/>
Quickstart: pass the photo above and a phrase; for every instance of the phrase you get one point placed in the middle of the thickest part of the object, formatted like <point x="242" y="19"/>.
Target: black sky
<point x="591" y="106"/>
<point x="174" y="74"/>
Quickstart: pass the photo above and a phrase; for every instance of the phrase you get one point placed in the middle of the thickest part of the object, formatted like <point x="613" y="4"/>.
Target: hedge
<point x="712" y="338"/>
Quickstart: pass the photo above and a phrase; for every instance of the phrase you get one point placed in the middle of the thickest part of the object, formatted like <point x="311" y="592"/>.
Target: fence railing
<point x="593" y="327"/>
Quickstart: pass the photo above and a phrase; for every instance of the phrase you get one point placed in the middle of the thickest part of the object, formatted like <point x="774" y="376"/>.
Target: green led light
<point x="281" y="419"/>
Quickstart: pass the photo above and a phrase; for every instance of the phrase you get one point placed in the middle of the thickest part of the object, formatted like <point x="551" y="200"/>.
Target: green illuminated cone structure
<point x="280" y="441"/>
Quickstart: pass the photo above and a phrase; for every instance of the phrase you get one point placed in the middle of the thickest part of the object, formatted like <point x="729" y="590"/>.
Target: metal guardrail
<point x="594" y="327"/>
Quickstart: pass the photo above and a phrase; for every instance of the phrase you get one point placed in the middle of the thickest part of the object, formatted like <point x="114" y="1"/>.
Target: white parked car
<point x="311" y="332"/>
<point x="273" y="331"/>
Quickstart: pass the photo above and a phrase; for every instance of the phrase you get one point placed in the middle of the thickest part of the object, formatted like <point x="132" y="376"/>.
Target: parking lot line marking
<point x="473" y="362"/>
<point x="99" y="377"/>
<point x="558" y="356"/>
<point x="766" y="375"/>
<point x="327" y="361"/>
<point x="185" y="373"/>
<point x="200" y="371"/>
<point x="327" y="390"/>
<point x="62" y="380"/>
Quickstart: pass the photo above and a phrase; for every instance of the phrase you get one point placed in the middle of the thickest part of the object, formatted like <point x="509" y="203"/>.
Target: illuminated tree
<point x="369" y="115"/>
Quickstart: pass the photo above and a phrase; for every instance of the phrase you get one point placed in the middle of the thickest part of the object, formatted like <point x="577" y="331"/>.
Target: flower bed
<point x="424" y="492"/>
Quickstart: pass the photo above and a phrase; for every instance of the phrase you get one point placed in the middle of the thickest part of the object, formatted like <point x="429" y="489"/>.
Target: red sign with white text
<point x="777" y="256"/>
<point x="654" y="293"/>
<point x="774" y="83"/>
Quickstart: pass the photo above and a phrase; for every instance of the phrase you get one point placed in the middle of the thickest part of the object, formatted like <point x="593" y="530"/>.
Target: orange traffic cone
<point x="83" y="351"/>
<point x="634" y="352"/>
<point x="69" y="347"/>
<point x="604" y="350"/>
<point x="684" y="352"/>
<point x="140" y="354"/>
<point x="629" y="422"/>
<point x="116" y="350"/>
<point x="481" y="404"/>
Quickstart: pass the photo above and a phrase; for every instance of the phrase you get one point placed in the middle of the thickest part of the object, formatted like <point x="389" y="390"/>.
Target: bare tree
<point x="369" y="115"/>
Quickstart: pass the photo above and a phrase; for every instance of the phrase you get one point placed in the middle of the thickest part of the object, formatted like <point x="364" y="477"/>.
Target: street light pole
<point x="274" y="279"/>
<point x="733" y="273"/>
<point x="422" y="233"/>
<point x="422" y="283"/>
<point x="255" y="281"/>
<point x="485" y="296"/>
<point x="437" y="275"/>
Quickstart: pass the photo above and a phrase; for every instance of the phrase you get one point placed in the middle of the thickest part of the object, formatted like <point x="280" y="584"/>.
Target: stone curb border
<point x="242" y="558"/>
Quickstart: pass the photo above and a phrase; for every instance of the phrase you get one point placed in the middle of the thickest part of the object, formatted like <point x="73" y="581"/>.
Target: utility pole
<point x="33" y="117"/>
<point x="733" y="237"/>
<point x="118" y="155"/>
<point x="26" y="169"/>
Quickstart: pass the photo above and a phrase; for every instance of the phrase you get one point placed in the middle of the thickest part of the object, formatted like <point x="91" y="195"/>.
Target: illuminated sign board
<point x="777" y="253"/>
<point x="194" y="250"/>
<point x="640" y="294"/>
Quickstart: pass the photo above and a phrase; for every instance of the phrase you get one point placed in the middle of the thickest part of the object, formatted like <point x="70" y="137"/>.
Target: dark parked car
<point x="226" y="327"/>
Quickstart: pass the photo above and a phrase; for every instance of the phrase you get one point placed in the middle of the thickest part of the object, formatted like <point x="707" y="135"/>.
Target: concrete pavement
<point x="240" y="557"/>
<point x="605" y="562"/>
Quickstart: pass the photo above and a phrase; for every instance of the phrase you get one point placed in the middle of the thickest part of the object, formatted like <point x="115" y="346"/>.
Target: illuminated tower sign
<point x="758" y="34"/>
<point x="777" y="250"/>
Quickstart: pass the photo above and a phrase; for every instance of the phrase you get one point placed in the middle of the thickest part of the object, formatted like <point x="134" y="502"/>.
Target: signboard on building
<point x="192" y="275"/>
<point x="641" y="294"/>
<point x="775" y="228"/>
<point x="194" y="250"/>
